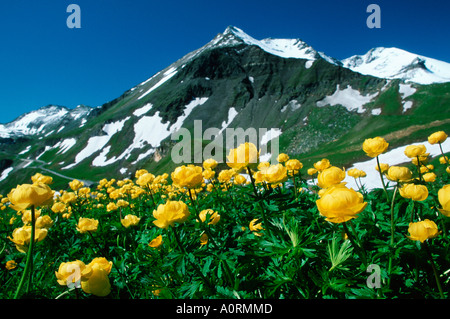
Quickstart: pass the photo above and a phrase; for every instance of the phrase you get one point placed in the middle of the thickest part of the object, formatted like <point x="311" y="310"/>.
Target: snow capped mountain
<point x="46" y="120"/>
<point x="394" y="63"/>
<point x="285" y="48"/>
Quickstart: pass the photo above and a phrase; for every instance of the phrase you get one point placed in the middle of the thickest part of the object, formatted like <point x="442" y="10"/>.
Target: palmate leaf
<point x="338" y="255"/>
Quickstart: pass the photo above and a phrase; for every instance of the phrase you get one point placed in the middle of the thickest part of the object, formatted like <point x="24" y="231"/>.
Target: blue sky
<point x="122" y="43"/>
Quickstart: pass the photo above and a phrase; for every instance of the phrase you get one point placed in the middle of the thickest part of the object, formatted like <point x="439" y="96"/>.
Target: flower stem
<point x="29" y="262"/>
<point x="361" y="251"/>
<point x="382" y="180"/>
<point x="436" y="277"/>
<point x="266" y="223"/>
<point x="391" y="244"/>
<point x="445" y="157"/>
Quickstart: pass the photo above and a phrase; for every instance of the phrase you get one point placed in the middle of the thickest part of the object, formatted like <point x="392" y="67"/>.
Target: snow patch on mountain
<point x="142" y="110"/>
<point x="167" y="76"/>
<point x="149" y="130"/>
<point x="349" y="98"/>
<point x="5" y="173"/>
<point x="65" y="145"/>
<point x="405" y="91"/>
<point x="97" y="143"/>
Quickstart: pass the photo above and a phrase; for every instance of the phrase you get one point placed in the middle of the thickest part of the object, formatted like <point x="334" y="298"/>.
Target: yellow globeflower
<point x="203" y="239"/>
<point x="145" y="179"/>
<point x="208" y="173"/>
<point x="103" y="263"/>
<point x="375" y="146"/>
<point x="98" y="282"/>
<point x="384" y="167"/>
<point x="444" y="200"/>
<point x="245" y="155"/>
<point x="356" y="173"/>
<point x="414" y="192"/>
<point x="213" y="218"/>
<point x="429" y="177"/>
<point x="26" y="216"/>
<point x="437" y="137"/>
<point x="340" y="204"/>
<point x="226" y="175"/>
<point x="130" y="220"/>
<point x="399" y="174"/>
<point x="239" y="179"/>
<point x="293" y="166"/>
<point x="68" y="197"/>
<point x="76" y="184"/>
<point x="275" y="174"/>
<point x="423" y="230"/>
<point x="210" y="163"/>
<point x="170" y="213"/>
<point x="72" y="272"/>
<point x="255" y="227"/>
<point x="311" y="171"/>
<point x="39" y="178"/>
<point x="321" y="165"/>
<point x="156" y="242"/>
<point x="21" y="237"/>
<point x="26" y="195"/>
<point x="189" y="176"/>
<point x="282" y="157"/>
<point x="330" y="176"/>
<point x="10" y="265"/>
<point x="44" y="222"/>
<point x="415" y="150"/>
<point x="58" y="207"/>
<point x="87" y="225"/>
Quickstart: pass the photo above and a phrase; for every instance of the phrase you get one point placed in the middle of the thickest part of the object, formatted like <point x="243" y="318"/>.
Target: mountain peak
<point x="285" y="48"/>
<point x="394" y="63"/>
